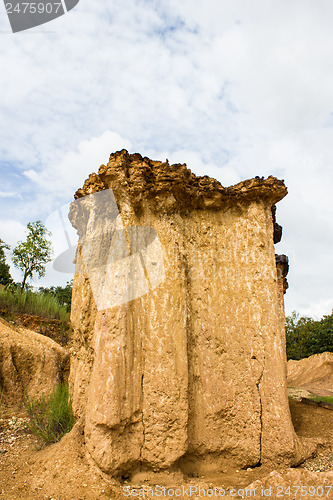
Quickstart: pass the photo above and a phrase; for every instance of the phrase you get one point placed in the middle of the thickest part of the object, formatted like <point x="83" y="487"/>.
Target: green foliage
<point x="321" y="339"/>
<point x="305" y="336"/>
<point x="325" y="399"/>
<point x="51" y="418"/>
<point x="62" y="294"/>
<point x="297" y="334"/>
<point x="30" y="256"/>
<point x="5" y="277"/>
<point x="34" y="303"/>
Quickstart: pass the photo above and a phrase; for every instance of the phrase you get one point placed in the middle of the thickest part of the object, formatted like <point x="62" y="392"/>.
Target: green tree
<point x="305" y="336"/>
<point x="31" y="255"/>
<point x="5" y="277"/>
<point x="298" y="330"/>
<point x="321" y="339"/>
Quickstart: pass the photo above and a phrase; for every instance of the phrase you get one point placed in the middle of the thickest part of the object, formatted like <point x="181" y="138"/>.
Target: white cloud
<point x="12" y="231"/>
<point x="32" y="175"/>
<point x="306" y="214"/>
<point x="70" y="172"/>
<point x="199" y="165"/>
<point x="6" y="194"/>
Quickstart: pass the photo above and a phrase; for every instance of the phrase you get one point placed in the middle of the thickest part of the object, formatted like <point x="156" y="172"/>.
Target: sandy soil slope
<point x="314" y="374"/>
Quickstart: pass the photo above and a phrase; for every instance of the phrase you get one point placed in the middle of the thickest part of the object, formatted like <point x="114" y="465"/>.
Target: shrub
<point x="51" y="417"/>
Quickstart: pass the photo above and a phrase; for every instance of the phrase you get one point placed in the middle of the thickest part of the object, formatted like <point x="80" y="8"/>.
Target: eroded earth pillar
<point x="178" y="346"/>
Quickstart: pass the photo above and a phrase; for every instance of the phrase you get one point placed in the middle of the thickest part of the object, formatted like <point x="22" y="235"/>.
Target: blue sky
<point x="234" y="89"/>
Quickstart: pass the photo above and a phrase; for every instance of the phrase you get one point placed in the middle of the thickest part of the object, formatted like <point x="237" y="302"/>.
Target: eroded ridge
<point x="138" y="179"/>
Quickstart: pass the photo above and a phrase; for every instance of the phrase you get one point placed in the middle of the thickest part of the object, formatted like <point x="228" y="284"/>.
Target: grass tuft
<point x="51" y="417"/>
<point x="324" y="399"/>
<point x="34" y="303"/>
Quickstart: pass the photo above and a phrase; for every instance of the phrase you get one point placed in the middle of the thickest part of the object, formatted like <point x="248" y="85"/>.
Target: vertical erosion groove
<point x="143" y="424"/>
<point x="141" y="354"/>
<point x="189" y="337"/>
<point x="260" y="416"/>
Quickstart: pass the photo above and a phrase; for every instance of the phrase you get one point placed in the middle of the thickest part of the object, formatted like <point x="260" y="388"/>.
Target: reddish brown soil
<point x="52" y="328"/>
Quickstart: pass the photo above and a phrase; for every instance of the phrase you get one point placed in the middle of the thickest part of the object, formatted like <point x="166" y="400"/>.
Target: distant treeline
<point x="305" y="336"/>
<point x="62" y="294"/>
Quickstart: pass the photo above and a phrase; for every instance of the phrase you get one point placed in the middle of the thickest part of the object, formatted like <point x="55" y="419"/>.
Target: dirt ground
<point x="62" y="472"/>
